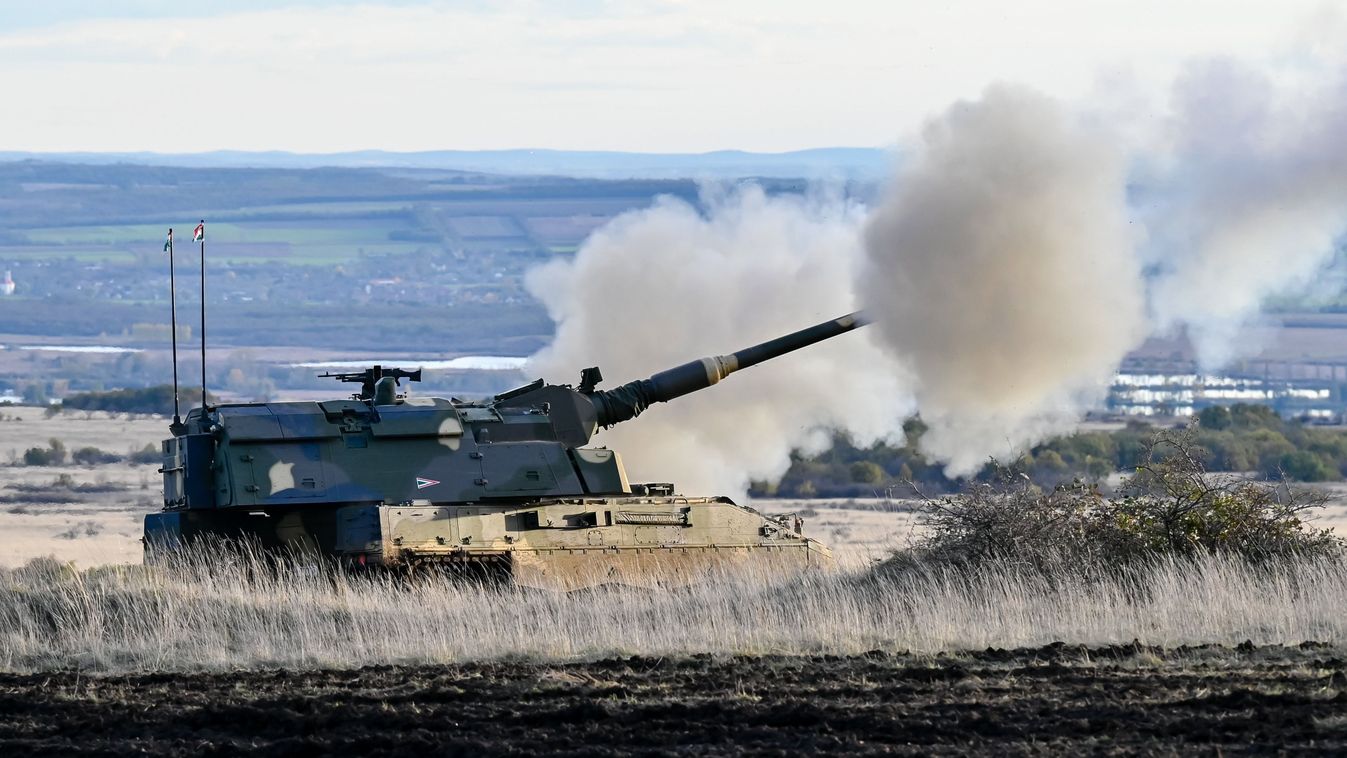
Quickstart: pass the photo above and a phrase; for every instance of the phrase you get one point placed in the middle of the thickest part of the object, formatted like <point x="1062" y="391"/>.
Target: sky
<point x="638" y="75"/>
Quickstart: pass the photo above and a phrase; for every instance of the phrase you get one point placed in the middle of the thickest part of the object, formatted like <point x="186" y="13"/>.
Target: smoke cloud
<point x="1247" y="199"/>
<point x="661" y="286"/>
<point x="1003" y="268"/>
<point x="1000" y="270"/>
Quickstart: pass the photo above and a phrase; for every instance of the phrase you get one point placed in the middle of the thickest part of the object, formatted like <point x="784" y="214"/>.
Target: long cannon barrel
<point x="628" y="401"/>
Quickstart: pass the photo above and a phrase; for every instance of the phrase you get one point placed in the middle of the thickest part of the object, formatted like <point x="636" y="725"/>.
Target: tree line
<point x="1240" y="438"/>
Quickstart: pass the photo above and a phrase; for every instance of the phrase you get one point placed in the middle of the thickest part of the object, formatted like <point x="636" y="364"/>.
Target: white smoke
<point x="661" y="286"/>
<point x="1001" y="271"/>
<point x="1003" y="268"/>
<point x="1249" y="201"/>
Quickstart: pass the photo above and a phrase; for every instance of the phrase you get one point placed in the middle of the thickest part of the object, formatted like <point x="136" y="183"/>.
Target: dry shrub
<point x="92" y="456"/>
<point x="84" y="528"/>
<point x="1171" y="507"/>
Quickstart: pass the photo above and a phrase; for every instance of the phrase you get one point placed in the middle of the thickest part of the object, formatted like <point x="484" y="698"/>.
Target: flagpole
<point x="202" y="229"/>
<point x="177" y="426"/>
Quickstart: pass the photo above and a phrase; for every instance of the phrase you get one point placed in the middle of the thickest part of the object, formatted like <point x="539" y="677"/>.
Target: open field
<point x="1054" y="700"/>
<point x="220" y="655"/>
<point x="22" y="427"/>
<point x="216" y="656"/>
<point x="91" y="515"/>
<point x="321" y="217"/>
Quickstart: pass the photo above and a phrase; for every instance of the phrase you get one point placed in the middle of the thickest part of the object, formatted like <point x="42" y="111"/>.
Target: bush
<point x="1305" y="466"/>
<point x="1254" y="416"/>
<point x="1240" y="438"/>
<point x="37" y="456"/>
<point x="157" y="399"/>
<point x="866" y="472"/>
<point x="148" y="454"/>
<point x="1098" y="469"/>
<point x="1170" y="507"/>
<point x="92" y="456"/>
<point x="1215" y="418"/>
<point x="1226" y="451"/>
<point x="52" y="455"/>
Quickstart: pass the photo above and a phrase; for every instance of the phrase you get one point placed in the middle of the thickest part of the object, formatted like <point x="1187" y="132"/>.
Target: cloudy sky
<point x="647" y="75"/>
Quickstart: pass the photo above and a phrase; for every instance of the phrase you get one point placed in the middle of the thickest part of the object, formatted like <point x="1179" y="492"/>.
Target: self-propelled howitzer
<point x="505" y="486"/>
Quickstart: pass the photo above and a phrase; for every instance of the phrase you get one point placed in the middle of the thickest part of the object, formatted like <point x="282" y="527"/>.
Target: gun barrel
<point x="629" y="400"/>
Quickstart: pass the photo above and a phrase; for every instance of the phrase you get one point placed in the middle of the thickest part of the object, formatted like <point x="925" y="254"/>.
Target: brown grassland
<point x="227" y="654"/>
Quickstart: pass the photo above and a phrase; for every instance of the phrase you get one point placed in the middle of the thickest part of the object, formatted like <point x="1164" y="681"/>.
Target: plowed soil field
<point x="1053" y="700"/>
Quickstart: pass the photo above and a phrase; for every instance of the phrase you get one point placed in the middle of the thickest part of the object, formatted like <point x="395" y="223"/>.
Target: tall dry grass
<point x="231" y="611"/>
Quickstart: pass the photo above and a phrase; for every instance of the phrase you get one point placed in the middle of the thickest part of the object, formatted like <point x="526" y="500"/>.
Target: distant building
<point x="1185" y="394"/>
<point x="7" y="286"/>
<point x="369" y="288"/>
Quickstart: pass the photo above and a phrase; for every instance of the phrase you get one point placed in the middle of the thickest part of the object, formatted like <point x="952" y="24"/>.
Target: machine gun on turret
<point x="377" y="384"/>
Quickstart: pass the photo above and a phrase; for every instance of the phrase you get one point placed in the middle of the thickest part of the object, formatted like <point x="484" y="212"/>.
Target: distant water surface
<point x="80" y="348"/>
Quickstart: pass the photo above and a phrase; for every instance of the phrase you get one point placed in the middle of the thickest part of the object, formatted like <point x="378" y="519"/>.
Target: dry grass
<point x="230" y="612"/>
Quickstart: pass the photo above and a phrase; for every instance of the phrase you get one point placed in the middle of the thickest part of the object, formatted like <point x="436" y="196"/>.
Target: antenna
<point x="199" y="234"/>
<point x="177" y="427"/>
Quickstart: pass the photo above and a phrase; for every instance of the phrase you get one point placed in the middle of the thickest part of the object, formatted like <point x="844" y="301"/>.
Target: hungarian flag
<point x="199" y="233"/>
<point x="168" y="243"/>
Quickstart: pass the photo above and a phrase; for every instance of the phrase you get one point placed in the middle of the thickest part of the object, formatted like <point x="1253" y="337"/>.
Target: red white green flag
<point x="199" y="233"/>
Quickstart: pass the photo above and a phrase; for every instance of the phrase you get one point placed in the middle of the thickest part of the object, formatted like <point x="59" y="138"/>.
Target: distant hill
<point x="863" y="163"/>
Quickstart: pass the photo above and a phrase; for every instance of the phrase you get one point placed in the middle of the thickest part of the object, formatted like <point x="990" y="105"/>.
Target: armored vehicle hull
<point x="556" y="543"/>
<point x="507" y="486"/>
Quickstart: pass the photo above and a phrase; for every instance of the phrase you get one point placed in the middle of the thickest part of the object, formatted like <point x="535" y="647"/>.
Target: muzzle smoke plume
<point x="1000" y="271"/>
<point x="1249" y="199"/>
<point x="657" y="287"/>
<point x="1003" y="269"/>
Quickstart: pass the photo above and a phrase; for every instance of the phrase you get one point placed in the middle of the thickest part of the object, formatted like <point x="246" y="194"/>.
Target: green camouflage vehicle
<point x="505" y="486"/>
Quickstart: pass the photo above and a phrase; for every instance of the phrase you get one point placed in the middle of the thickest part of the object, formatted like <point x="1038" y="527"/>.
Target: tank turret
<point x="382" y="478"/>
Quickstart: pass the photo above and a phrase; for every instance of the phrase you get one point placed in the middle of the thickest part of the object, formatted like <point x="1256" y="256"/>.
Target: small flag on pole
<point x="199" y="233"/>
<point x="168" y="243"/>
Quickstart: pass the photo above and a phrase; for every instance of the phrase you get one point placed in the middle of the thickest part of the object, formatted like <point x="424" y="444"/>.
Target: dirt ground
<point x="1056" y="700"/>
